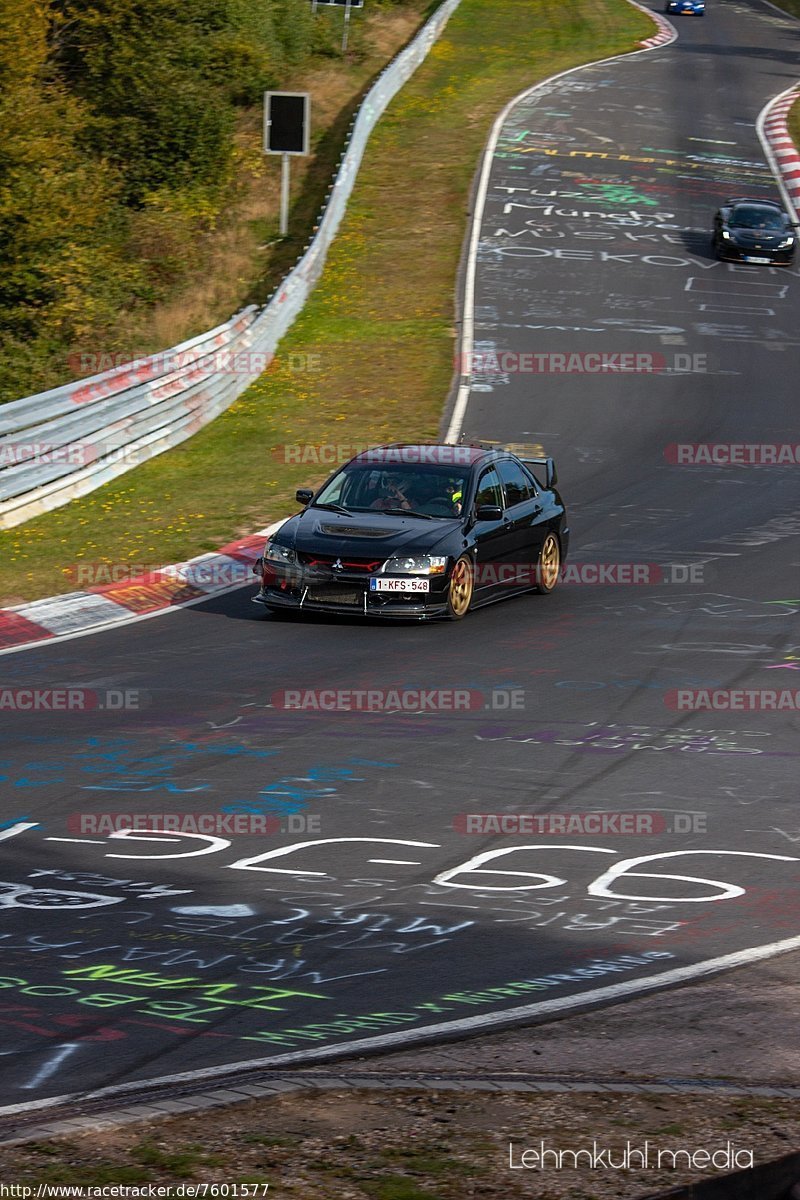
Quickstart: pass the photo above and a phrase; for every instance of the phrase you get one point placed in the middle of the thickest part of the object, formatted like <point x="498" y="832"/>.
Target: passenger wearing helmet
<point x="456" y="493"/>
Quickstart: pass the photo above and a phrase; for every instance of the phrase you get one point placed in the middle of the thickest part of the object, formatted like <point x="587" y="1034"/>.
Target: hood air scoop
<point x="365" y="531"/>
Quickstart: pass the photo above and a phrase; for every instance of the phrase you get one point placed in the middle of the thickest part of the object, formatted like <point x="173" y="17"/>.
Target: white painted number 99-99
<point x="472" y="875"/>
<point x="601" y="885"/>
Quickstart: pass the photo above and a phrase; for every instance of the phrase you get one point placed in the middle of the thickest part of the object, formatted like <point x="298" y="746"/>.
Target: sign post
<point x="286" y="132"/>
<point x="285" y="191"/>
<point x="346" y="25"/>
<point x="348" y="5"/>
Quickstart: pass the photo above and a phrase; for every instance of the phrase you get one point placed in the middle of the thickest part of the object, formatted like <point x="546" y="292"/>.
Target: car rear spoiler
<point x="550" y="472"/>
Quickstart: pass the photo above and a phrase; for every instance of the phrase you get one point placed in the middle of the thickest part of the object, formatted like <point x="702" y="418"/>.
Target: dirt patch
<point x="428" y="1146"/>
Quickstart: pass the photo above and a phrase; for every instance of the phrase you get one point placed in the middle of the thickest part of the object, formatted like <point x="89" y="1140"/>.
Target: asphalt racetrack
<point x="588" y="827"/>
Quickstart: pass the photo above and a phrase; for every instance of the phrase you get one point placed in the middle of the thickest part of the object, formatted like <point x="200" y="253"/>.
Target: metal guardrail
<point x="61" y="444"/>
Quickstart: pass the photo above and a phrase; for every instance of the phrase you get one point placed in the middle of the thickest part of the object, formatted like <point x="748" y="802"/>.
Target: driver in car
<point x="394" y="495"/>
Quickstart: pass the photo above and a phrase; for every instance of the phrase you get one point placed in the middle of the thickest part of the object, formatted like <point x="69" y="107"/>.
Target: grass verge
<point x="370" y="358"/>
<point x="406" y="1145"/>
<point x="792" y="7"/>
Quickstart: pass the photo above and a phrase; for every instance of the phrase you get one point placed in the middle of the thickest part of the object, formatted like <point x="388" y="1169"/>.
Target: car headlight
<point x="787" y="241"/>
<point x="279" y="554"/>
<point x="726" y="235"/>
<point x="416" y="564"/>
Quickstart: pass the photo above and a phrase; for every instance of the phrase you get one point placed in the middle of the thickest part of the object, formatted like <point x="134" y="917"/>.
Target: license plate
<point x="754" y="259"/>
<point x="399" y="585"/>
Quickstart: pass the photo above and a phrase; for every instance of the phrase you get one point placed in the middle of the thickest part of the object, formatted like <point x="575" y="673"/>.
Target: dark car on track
<point x="754" y="231"/>
<point x="692" y="8"/>
<point x="419" y="531"/>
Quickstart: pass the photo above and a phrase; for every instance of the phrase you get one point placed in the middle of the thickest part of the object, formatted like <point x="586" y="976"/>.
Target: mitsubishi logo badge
<point x="338" y="565"/>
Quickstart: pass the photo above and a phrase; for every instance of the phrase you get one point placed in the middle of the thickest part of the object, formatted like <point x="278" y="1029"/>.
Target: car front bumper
<point x="349" y="594"/>
<point x="730" y="252"/>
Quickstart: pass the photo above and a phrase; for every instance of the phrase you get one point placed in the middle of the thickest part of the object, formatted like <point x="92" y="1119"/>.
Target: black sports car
<point x="419" y="531"/>
<point x="754" y="231"/>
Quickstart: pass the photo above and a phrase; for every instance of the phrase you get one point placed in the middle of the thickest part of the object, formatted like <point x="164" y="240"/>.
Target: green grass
<point x="381" y="319"/>
<point x="794" y="111"/>
<point x="789" y="6"/>
<point x="183" y="1164"/>
<point x="97" y="1174"/>
<point x="426" y="1161"/>
<point x="396" y="1187"/>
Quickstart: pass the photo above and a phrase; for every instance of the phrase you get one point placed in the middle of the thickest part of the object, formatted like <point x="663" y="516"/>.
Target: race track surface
<point x="348" y="893"/>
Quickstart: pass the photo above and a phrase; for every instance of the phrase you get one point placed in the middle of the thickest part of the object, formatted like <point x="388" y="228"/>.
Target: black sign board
<point x="286" y="122"/>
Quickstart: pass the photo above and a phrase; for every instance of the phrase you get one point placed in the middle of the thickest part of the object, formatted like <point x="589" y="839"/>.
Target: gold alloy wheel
<point x="459" y="592"/>
<point x="549" y="566"/>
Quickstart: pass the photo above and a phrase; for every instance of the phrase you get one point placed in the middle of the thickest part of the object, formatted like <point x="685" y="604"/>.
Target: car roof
<point x="426" y="453"/>
<point x="736" y="200"/>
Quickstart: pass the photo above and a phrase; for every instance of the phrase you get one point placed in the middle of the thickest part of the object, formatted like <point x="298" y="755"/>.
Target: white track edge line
<point x="628" y="988"/>
<point x="468" y="320"/>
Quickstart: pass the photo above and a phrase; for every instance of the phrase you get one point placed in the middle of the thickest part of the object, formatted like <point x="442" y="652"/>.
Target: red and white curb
<point x="782" y="154"/>
<point x="666" y="31"/>
<point x="132" y="599"/>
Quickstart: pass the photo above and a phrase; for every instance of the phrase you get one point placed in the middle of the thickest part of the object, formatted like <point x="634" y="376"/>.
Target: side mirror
<point x="489" y="512"/>
<point x="551" y="474"/>
<point x="304" y="495"/>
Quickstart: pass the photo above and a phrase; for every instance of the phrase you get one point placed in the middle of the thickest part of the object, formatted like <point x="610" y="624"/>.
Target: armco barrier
<point x="105" y="425"/>
<point x="64" y="443"/>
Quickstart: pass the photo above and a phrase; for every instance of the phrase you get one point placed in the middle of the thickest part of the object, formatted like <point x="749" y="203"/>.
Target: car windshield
<point x="429" y="490"/>
<point x="748" y="216"/>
